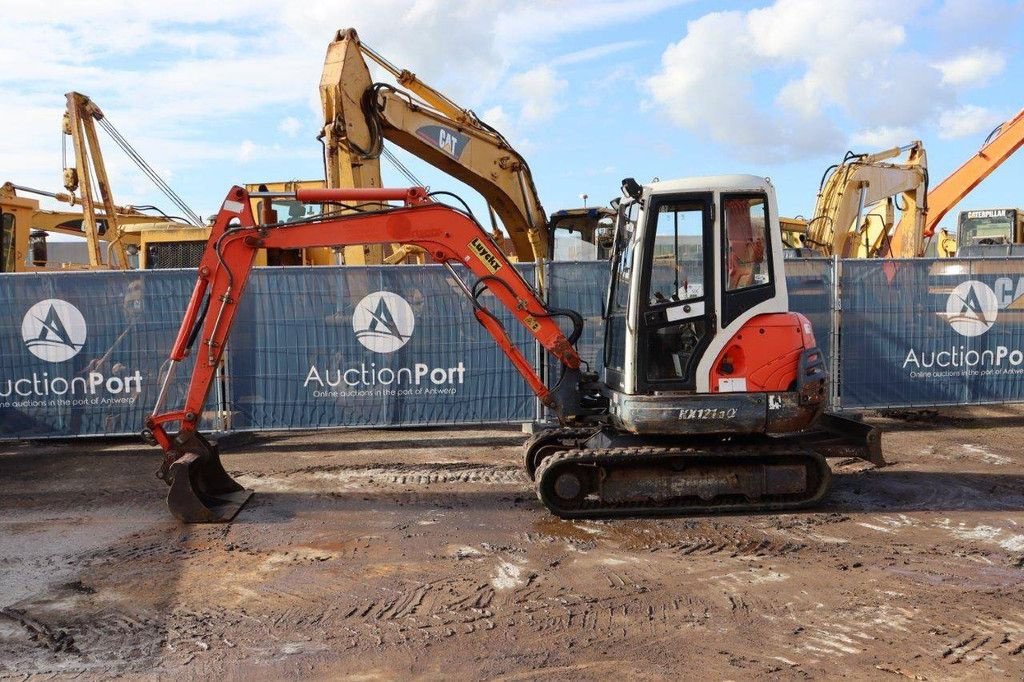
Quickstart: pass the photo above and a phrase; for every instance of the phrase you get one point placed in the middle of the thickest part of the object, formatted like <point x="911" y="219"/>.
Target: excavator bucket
<point x="201" y="491"/>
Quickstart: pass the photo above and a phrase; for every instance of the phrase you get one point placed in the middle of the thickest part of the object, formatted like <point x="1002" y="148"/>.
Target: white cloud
<point x="877" y="139"/>
<point x="830" y="66"/>
<point x="246" y="151"/>
<point x="596" y="52"/>
<point x="497" y="119"/>
<point x="290" y="126"/>
<point x="538" y="89"/>
<point x="973" y="68"/>
<point x="968" y="120"/>
<point x="181" y="76"/>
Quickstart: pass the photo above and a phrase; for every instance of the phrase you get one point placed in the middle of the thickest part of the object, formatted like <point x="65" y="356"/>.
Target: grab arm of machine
<point x="201" y="490"/>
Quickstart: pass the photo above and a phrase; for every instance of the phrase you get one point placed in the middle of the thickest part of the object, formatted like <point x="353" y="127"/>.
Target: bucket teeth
<point x="201" y="491"/>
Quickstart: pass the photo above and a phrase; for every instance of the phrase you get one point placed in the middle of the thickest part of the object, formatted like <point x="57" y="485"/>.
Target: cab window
<point x="677" y="268"/>
<point x="622" y="276"/>
<point x="746" y="242"/>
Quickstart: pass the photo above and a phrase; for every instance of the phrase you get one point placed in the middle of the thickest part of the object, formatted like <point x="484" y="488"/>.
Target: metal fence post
<point x="539" y="357"/>
<point x="835" y="337"/>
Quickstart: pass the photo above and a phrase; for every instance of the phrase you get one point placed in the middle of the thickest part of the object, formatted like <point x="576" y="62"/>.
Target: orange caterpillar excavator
<point x="713" y="391"/>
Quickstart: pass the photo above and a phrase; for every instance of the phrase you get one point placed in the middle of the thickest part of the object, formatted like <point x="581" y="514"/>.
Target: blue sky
<point x="222" y="93"/>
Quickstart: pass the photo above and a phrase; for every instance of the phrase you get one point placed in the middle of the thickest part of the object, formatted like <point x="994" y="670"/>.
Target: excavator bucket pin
<point x="200" y="490"/>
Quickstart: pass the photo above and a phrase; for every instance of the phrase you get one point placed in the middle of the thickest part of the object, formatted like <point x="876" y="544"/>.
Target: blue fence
<point x="918" y="333"/>
<point x="361" y="346"/>
<point x="82" y="353"/>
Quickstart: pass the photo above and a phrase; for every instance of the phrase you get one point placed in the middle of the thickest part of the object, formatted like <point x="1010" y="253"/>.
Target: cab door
<point x="676" y="297"/>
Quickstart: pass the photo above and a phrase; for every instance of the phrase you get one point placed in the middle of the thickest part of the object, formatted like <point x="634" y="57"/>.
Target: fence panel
<point x="932" y="332"/>
<point x="81" y="352"/>
<point x="370" y="346"/>
<point x="580" y="286"/>
<point x="810" y="283"/>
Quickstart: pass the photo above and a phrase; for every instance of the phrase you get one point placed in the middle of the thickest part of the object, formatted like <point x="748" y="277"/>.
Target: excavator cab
<point x="580" y="234"/>
<point x="987" y="228"/>
<point x="715" y="390"/>
<point x="695" y="262"/>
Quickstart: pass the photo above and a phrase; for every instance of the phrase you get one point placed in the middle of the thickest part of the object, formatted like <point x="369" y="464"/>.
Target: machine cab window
<point x="675" y="326"/>
<point x="617" y="306"/>
<point x="746" y="242"/>
<point x="677" y="268"/>
<point x="746" y="254"/>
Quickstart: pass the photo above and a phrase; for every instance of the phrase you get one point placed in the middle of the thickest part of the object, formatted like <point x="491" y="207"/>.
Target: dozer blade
<point x="201" y="491"/>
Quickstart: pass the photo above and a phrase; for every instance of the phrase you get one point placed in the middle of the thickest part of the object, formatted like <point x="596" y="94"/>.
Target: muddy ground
<point x="384" y="554"/>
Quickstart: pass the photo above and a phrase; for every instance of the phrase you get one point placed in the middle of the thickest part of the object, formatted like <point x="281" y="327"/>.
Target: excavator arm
<point x="200" y="489"/>
<point x="853" y="216"/>
<point x="359" y="116"/>
<point x="1000" y="145"/>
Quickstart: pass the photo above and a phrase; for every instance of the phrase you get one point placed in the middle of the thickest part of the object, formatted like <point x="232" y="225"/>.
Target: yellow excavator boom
<point x="854" y="216"/>
<point x="359" y="116"/>
<point x="80" y="124"/>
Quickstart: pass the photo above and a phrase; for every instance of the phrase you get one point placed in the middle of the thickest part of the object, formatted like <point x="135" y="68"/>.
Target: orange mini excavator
<point x="713" y="391"/>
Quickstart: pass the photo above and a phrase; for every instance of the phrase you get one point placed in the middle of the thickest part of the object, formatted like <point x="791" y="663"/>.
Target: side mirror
<point x="631" y="188"/>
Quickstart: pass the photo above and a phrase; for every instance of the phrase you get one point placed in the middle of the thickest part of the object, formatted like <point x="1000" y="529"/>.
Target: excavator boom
<point x="80" y="124"/>
<point x="1001" y="145"/>
<point x="359" y="116"/>
<point x="448" y="235"/>
<point x="853" y="216"/>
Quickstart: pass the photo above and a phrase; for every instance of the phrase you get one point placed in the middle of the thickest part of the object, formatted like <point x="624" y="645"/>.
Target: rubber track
<point x="551" y="435"/>
<point x="638" y="456"/>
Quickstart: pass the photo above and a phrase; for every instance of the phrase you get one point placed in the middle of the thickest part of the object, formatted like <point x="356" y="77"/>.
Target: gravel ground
<point x="384" y="554"/>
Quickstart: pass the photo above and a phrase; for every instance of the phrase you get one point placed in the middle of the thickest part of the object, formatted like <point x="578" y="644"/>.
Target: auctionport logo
<point x="53" y="330"/>
<point x="383" y="322"/>
<point x="971" y="308"/>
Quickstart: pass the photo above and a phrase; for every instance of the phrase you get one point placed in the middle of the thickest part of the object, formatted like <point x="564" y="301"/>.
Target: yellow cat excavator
<point x="854" y="216"/>
<point x="360" y="115"/>
<point x="855" y="213"/>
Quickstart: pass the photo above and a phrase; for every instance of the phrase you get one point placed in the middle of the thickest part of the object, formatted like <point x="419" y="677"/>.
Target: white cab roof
<point x="721" y="183"/>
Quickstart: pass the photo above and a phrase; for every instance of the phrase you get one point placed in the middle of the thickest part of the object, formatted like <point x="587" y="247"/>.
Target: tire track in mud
<point x="78" y="638"/>
<point x="920" y="639"/>
<point x="625" y="601"/>
<point x="990" y="638"/>
<point x="377" y="475"/>
<point x="707" y="538"/>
